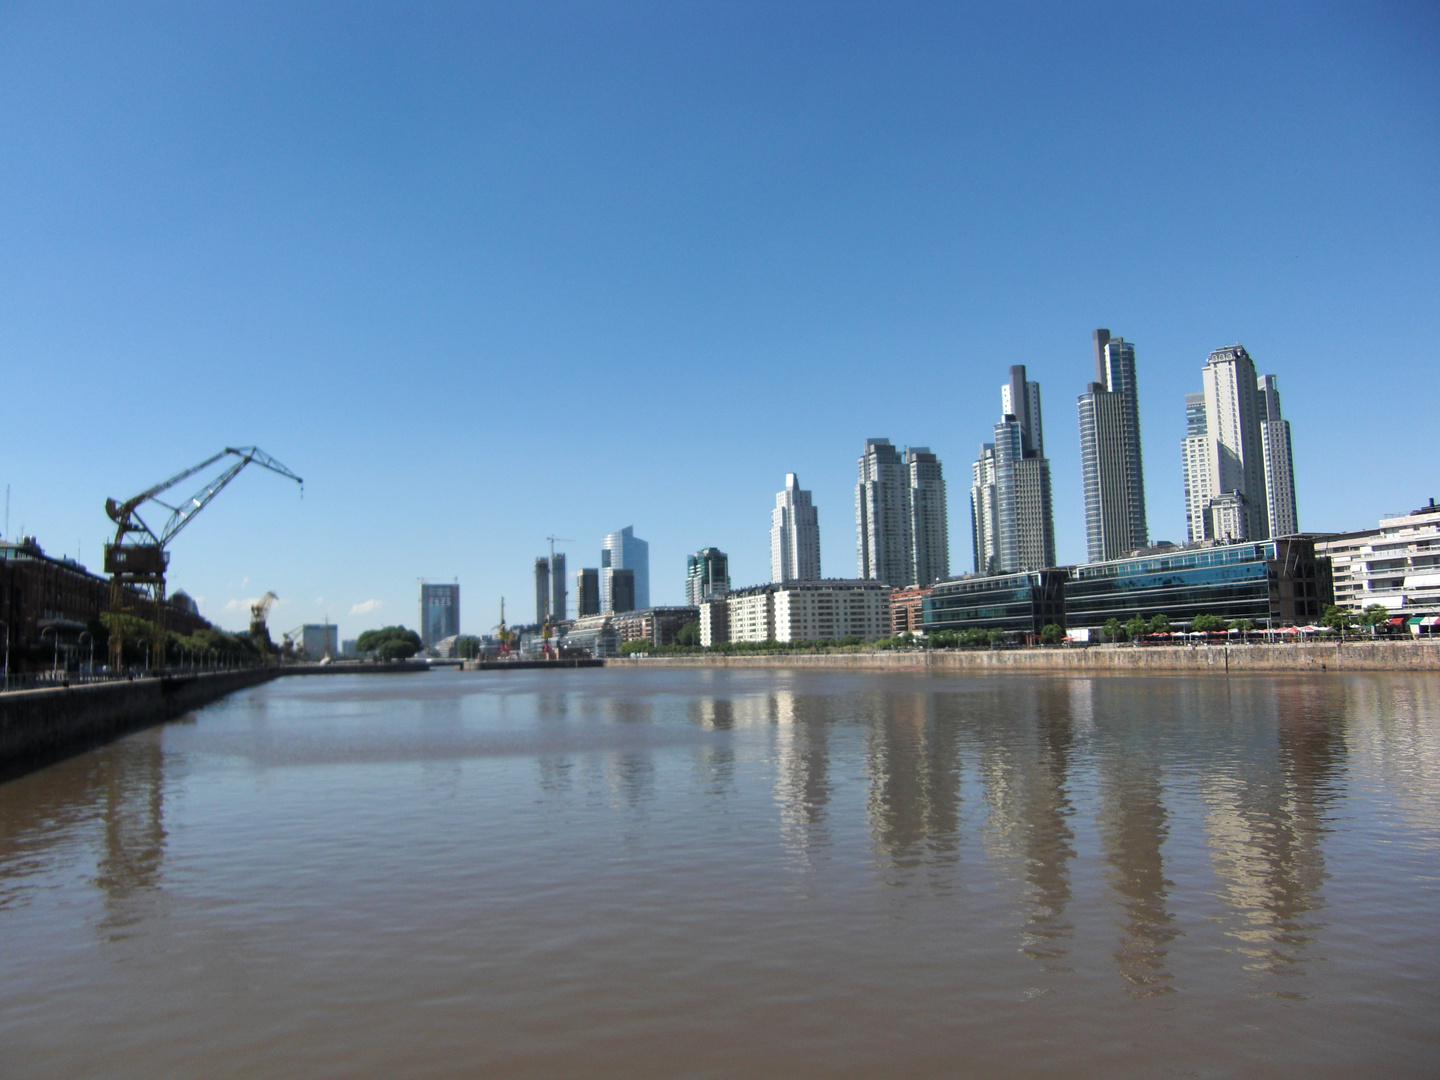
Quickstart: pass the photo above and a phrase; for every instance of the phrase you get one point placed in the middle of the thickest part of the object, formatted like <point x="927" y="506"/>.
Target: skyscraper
<point x="882" y="516"/>
<point x="794" y="535"/>
<point x="929" y="527"/>
<point x="617" y="587"/>
<point x="1279" y="465"/>
<point x="623" y="550"/>
<point x="707" y="576"/>
<point x="542" y="590"/>
<point x="587" y="592"/>
<point x="557" y="586"/>
<point x="1224" y="464"/>
<point x="439" y="612"/>
<point x="1110" y="458"/>
<point x="1012" y="517"/>
<point x="985" y="512"/>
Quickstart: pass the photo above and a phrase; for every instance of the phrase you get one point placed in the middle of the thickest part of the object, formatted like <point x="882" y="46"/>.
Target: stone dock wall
<point x="1333" y="656"/>
<point x="38" y="724"/>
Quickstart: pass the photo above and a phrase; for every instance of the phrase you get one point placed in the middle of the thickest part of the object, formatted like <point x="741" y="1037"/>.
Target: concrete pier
<point x="38" y="725"/>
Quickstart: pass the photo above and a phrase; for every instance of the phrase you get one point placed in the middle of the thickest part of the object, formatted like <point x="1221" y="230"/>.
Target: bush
<point x="1051" y="634"/>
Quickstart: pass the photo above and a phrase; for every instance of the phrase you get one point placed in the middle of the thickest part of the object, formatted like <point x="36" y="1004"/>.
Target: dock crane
<point x="136" y="561"/>
<point x="259" y="632"/>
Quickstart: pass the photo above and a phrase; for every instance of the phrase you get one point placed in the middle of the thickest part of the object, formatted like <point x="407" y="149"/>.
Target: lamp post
<point x="55" y="637"/>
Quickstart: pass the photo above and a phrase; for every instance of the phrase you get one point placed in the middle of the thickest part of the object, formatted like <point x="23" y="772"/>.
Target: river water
<point x="725" y="872"/>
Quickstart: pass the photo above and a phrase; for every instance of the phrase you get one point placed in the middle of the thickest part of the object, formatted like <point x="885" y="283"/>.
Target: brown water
<point x="627" y="873"/>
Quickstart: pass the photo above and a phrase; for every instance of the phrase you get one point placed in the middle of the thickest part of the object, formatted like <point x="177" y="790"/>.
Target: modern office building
<point x="319" y="640"/>
<point x="587" y="592"/>
<point x="929" y="524"/>
<point x="1014" y="603"/>
<point x="439" y="612"/>
<point x="707" y="576"/>
<point x="1110" y="457"/>
<point x="1011" y="515"/>
<point x="623" y="550"/>
<point x="800" y="611"/>
<point x="794" y="535"/>
<point x="658" y="626"/>
<point x="1226" y="457"/>
<point x="557" y="587"/>
<point x="542" y="590"/>
<point x="1279" y="582"/>
<point x="593" y="634"/>
<point x="882" y="516"/>
<point x="617" y="590"/>
<point x="1279" y="464"/>
<point x="1397" y="565"/>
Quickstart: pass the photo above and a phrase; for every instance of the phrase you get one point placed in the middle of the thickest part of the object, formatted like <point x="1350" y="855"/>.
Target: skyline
<point x="381" y="264"/>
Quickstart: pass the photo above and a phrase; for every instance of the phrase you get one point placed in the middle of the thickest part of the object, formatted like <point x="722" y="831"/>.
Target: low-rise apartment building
<point x="799" y="611"/>
<point x="1396" y="565"/>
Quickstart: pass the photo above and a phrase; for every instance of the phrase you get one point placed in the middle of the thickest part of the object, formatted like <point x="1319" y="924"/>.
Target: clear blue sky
<point x="481" y="273"/>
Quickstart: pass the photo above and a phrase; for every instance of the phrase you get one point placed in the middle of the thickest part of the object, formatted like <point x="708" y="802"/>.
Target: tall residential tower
<point x="929" y="527"/>
<point x="794" y="535"/>
<point x="1223" y="454"/>
<point x="882" y="517"/>
<point x="1279" y="465"/>
<point x="1110" y="458"/>
<point x="1013" y="521"/>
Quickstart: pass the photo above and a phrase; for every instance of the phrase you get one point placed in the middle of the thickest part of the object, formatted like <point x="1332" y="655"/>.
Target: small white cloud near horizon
<point x="366" y="608"/>
<point x="240" y="605"/>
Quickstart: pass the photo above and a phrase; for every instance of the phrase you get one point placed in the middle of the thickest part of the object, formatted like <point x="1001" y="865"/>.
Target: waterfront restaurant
<point x="1277" y="582"/>
<point x="1018" y="603"/>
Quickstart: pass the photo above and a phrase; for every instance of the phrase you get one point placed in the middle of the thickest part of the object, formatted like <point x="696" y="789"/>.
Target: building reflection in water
<point x="1267" y="819"/>
<point x="1134" y="825"/>
<point x="1026" y="753"/>
<point x="715" y="763"/>
<point x="912" y="761"/>
<point x="802" y="772"/>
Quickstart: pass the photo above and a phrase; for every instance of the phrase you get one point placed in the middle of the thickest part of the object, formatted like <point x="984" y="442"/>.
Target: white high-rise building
<point x="623" y="550"/>
<point x="1223" y="452"/>
<point x="882" y="517"/>
<point x="985" y="512"/>
<point x="794" y="535"/>
<point x="929" y="528"/>
<point x="1279" y="464"/>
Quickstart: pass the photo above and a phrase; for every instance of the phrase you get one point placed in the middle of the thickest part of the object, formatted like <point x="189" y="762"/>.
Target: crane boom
<point x="137" y="566"/>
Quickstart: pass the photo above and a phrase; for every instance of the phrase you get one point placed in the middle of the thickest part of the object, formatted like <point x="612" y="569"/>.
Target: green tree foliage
<point x="376" y="640"/>
<point x="1051" y="634"/>
<point x="1375" y="615"/>
<point x="1114" y="629"/>
<point x="688" y="635"/>
<point x="630" y="647"/>
<point x="1338" y="618"/>
<point x="1159" y="624"/>
<point x="1243" y="625"/>
<point x="1136" y="627"/>
<point x="1210" y="624"/>
<point x="996" y="637"/>
<point x="976" y="637"/>
<point x="467" y="647"/>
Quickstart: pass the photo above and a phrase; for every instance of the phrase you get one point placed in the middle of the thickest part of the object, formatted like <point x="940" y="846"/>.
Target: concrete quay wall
<point x="1335" y="656"/>
<point x="47" y="723"/>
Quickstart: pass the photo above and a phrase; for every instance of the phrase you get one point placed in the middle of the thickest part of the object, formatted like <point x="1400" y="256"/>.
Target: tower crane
<point x="136" y="561"/>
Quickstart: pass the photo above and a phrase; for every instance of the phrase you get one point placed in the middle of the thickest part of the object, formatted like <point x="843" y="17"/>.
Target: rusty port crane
<point x="137" y="560"/>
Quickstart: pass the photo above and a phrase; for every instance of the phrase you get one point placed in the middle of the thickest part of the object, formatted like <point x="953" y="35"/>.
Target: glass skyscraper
<point x="439" y="613"/>
<point x="1110" y="458"/>
<point x="623" y="550"/>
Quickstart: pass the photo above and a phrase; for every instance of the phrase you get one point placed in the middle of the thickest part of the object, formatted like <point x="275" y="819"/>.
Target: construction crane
<point x="503" y="632"/>
<point x="136" y="561"/>
<point x="259" y="632"/>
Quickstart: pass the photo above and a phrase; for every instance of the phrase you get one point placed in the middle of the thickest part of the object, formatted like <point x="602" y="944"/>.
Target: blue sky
<point x="484" y="273"/>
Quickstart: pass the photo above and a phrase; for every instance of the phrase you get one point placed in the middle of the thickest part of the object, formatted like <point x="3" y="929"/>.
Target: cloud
<point x="366" y="608"/>
<point x="240" y="605"/>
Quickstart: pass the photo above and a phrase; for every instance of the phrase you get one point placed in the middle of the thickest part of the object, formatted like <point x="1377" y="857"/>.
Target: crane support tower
<point x="259" y="632"/>
<point x="136" y="561"/>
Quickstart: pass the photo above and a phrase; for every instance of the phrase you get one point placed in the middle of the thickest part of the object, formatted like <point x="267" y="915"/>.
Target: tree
<point x="1209" y="624"/>
<point x="996" y="637"/>
<point x="1114" y="629"/>
<point x="1375" y="615"/>
<point x="1051" y="634"/>
<point x="396" y="649"/>
<point x="688" y="635"/>
<point x="373" y="640"/>
<point x="1338" y="618"/>
<point x="1136" y="627"/>
<point x="467" y="647"/>
<point x="629" y="648"/>
<point x="1243" y="625"/>
<point x="1160" y="624"/>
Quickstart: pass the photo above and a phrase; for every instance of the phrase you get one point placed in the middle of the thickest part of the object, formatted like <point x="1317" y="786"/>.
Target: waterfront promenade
<point x="1311" y="656"/>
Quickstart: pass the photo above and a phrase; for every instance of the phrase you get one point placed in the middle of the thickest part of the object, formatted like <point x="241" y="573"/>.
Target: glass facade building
<point x="1023" y="603"/>
<point x="439" y="612"/>
<point x="1279" y="581"/>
